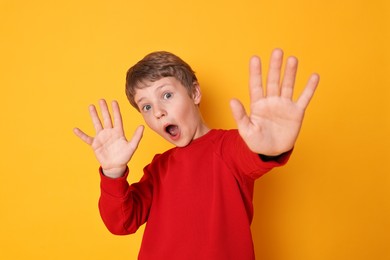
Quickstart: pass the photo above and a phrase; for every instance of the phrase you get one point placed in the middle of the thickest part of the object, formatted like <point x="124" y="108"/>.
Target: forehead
<point x="161" y="81"/>
<point x="147" y="88"/>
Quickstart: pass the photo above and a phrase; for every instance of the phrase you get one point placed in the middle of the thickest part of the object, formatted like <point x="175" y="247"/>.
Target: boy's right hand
<point x="111" y="148"/>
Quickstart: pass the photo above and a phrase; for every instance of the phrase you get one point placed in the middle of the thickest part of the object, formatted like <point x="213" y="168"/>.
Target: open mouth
<point x="173" y="130"/>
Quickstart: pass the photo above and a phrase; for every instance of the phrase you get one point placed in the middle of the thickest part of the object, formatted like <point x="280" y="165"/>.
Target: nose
<point x="159" y="112"/>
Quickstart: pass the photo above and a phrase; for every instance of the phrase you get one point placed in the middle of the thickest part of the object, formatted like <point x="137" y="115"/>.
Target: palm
<point x="270" y="118"/>
<point x="111" y="148"/>
<point x="110" y="145"/>
<point x="274" y="122"/>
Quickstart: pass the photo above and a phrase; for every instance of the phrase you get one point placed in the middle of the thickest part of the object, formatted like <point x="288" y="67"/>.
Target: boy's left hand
<point x="274" y="122"/>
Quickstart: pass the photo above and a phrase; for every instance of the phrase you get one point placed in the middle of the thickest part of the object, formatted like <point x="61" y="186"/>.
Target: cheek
<point x="149" y="123"/>
<point x="182" y="113"/>
<point x="188" y="114"/>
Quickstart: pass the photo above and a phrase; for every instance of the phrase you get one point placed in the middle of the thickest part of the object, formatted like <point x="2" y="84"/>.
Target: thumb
<point x="239" y="113"/>
<point x="137" y="136"/>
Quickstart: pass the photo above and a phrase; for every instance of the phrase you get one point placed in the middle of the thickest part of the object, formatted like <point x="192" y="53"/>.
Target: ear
<point x="197" y="94"/>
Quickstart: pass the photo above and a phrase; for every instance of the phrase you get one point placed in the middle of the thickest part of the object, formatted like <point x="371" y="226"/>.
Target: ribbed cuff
<point x="114" y="187"/>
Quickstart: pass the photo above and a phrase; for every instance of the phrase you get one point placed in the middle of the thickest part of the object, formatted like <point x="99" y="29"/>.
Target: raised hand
<point x="111" y="148"/>
<point x="275" y="120"/>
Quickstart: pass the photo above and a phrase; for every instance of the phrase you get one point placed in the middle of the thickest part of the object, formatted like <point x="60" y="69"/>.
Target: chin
<point x="179" y="143"/>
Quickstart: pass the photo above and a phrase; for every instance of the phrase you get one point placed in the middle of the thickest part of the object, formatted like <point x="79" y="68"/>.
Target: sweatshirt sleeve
<point x="123" y="207"/>
<point x="243" y="160"/>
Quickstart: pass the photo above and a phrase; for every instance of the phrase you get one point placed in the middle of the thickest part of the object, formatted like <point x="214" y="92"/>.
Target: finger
<point x="95" y="119"/>
<point x="273" y="79"/>
<point x="136" y="139"/>
<point x="117" y="116"/>
<point x="289" y="77"/>
<point x="308" y="92"/>
<point x="239" y="113"/>
<point x="255" y="79"/>
<point x="83" y="136"/>
<point x="105" y="114"/>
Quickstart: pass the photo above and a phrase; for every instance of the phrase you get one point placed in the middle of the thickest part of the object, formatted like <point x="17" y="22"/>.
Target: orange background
<point x="332" y="201"/>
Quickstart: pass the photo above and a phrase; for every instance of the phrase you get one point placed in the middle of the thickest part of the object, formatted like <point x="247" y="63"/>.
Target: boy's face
<point x="168" y="109"/>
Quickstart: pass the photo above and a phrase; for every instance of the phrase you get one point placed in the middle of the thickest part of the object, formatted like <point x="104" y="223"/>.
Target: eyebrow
<point x="158" y="88"/>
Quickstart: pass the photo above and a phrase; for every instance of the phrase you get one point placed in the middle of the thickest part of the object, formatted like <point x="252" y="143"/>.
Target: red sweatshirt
<point x="196" y="200"/>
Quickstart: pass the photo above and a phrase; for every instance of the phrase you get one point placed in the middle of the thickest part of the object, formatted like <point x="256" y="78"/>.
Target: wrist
<point x="268" y="158"/>
<point x="114" y="173"/>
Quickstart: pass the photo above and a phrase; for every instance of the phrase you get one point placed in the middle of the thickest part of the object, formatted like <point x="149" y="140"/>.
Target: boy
<point x="196" y="198"/>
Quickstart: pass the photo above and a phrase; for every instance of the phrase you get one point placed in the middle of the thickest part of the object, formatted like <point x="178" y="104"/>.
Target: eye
<point x="167" y="95"/>
<point x="146" y="108"/>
